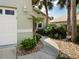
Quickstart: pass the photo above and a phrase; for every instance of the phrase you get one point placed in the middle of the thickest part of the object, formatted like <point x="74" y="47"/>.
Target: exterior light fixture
<point x="25" y="8"/>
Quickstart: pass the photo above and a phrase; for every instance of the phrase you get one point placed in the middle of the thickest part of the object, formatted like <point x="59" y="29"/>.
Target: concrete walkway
<point x="8" y="52"/>
<point x="49" y="51"/>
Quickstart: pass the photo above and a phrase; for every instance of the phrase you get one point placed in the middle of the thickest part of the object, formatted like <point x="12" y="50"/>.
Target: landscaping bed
<point x="21" y="52"/>
<point x="68" y="50"/>
<point x="29" y="45"/>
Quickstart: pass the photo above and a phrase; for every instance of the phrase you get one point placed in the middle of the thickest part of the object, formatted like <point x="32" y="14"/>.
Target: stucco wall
<point x="23" y="22"/>
<point x="8" y="2"/>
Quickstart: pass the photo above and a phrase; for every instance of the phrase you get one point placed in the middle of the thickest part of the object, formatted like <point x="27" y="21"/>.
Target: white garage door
<point x="8" y="26"/>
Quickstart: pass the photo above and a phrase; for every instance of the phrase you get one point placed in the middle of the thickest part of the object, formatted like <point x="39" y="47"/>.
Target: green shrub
<point x="49" y="29"/>
<point x="37" y="37"/>
<point x="46" y="31"/>
<point x="54" y="31"/>
<point x="41" y="32"/>
<point x="78" y="29"/>
<point x="58" y="32"/>
<point x="77" y="39"/>
<point x="64" y="27"/>
<point x="28" y="43"/>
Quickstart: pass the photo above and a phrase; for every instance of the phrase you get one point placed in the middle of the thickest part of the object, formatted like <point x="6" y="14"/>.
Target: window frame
<point x="41" y="25"/>
<point x="1" y="11"/>
<point x="9" y="12"/>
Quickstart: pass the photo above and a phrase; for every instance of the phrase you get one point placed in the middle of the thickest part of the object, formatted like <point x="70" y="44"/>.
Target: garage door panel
<point x="8" y="29"/>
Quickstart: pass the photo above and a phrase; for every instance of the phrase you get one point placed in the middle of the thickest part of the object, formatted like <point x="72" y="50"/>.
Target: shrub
<point x="49" y="29"/>
<point x="46" y="31"/>
<point x="58" y="32"/>
<point x="28" y="43"/>
<point x="78" y="29"/>
<point x="61" y="32"/>
<point x="41" y="32"/>
<point x="77" y="39"/>
<point x="54" y="31"/>
<point x="64" y="27"/>
<point x="37" y="37"/>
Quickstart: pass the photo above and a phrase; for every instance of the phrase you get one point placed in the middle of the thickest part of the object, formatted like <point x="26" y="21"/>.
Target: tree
<point x="36" y="20"/>
<point x="48" y="5"/>
<point x="62" y="3"/>
<point x="66" y="3"/>
<point x="73" y="20"/>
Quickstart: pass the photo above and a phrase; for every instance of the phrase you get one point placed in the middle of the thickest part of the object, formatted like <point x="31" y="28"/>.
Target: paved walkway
<point x="49" y="51"/>
<point x="8" y="52"/>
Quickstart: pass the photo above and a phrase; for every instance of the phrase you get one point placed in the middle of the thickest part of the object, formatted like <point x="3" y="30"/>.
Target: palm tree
<point x="66" y="3"/>
<point x="62" y="3"/>
<point x="73" y="20"/>
<point x="48" y="5"/>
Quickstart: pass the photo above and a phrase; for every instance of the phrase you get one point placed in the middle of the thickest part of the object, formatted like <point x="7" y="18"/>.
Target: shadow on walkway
<point x="63" y="56"/>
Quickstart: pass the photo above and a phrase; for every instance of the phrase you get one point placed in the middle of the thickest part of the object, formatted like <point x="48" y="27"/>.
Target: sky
<point x="56" y="11"/>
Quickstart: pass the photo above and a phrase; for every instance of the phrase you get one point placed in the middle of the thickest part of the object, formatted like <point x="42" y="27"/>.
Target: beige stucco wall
<point x="8" y="2"/>
<point x="23" y="22"/>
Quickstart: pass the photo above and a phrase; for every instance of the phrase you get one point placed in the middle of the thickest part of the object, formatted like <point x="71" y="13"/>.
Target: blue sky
<point x="56" y="11"/>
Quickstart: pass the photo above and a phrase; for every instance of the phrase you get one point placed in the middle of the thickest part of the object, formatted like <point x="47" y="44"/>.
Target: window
<point x="9" y="12"/>
<point x="40" y="25"/>
<point x="0" y="11"/>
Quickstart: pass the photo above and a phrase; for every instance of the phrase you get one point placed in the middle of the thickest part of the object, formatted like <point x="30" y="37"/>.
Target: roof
<point x="38" y="11"/>
<point x="62" y="19"/>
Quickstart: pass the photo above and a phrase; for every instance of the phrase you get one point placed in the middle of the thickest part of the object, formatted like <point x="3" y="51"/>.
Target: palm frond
<point x="40" y="5"/>
<point x="61" y="3"/>
<point x="50" y="5"/>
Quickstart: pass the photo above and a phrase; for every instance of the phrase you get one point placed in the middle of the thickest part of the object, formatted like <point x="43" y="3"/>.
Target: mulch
<point x="21" y="52"/>
<point x="68" y="50"/>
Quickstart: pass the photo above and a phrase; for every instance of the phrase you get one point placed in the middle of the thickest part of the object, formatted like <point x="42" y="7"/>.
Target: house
<point x="39" y="13"/>
<point x="15" y="24"/>
<point x="62" y="20"/>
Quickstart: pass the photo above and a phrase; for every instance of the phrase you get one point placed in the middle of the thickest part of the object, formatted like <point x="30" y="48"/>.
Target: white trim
<point x="24" y="30"/>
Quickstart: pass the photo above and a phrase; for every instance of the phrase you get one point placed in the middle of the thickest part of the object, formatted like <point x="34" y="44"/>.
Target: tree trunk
<point x="68" y="22"/>
<point x="33" y="28"/>
<point x="46" y="14"/>
<point x="73" y="20"/>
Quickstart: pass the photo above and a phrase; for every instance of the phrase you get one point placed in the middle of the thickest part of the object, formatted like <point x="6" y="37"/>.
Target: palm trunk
<point x="73" y="20"/>
<point x="46" y="13"/>
<point x="68" y="18"/>
<point x="33" y="28"/>
<point x="68" y="22"/>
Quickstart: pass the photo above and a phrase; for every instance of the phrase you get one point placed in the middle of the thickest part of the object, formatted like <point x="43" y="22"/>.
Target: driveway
<point x="8" y="52"/>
